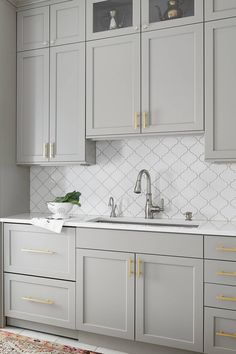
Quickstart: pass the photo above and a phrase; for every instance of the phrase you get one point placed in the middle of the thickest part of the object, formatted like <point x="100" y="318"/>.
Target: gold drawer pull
<point x="51" y="150"/>
<point x="38" y="301"/>
<point x="136" y="120"/>
<point x="225" y="249"/>
<point x="227" y="274"/>
<point x="224" y="334"/>
<point x="37" y="251"/>
<point x="225" y="298"/>
<point x="45" y="150"/>
<point x="139" y="272"/>
<point x="145" y="120"/>
<point x="130" y="263"/>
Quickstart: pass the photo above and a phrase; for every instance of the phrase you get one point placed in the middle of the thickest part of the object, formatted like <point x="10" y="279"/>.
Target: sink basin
<point x="146" y="222"/>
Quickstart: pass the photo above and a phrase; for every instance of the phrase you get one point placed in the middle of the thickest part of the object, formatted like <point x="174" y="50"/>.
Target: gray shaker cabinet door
<point x="169" y="301"/>
<point x="113" y="86"/>
<point x="32" y="105"/>
<point x="105" y="293"/>
<point x="67" y="23"/>
<point x="220" y="90"/>
<point x="172" y="80"/>
<point x="216" y="9"/>
<point x="67" y="103"/>
<point x="33" y="29"/>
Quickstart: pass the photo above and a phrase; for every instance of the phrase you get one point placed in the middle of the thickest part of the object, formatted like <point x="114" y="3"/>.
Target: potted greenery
<point x="61" y="206"/>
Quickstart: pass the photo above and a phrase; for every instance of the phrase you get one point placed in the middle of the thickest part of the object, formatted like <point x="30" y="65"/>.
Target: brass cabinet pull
<point x="45" y="150"/>
<point x="28" y="250"/>
<point x="226" y="298"/>
<point x="37" y="301"/>
<point x="225" y="334"/>
<point x="139" y="271"/>
<point x="145" y="120"/>
<point x="225" y="249"/>
<point x="130" y="270"/>
<point x="227" y="274"/>
<point x="136" y="120"/>
<point x="51" y="150"/>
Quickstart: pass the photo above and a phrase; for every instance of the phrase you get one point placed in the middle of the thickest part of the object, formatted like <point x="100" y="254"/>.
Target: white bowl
<point x="59" y="210"/>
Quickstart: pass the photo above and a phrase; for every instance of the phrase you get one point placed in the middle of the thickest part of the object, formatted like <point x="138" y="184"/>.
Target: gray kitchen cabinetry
<point x="218" y="9"/>
<point x="172" y="92"/>
<point x="220" y="90"/>
<point x="46" y="26"/>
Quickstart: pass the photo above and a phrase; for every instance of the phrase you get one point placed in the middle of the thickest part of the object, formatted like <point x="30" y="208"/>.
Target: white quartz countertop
<point x="218" y="228"/>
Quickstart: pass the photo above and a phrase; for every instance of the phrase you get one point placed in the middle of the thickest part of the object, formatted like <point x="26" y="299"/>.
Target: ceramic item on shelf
<point x="60" y="210"/>
<point x="113" y="24"/>
<point x="173" y="10"/>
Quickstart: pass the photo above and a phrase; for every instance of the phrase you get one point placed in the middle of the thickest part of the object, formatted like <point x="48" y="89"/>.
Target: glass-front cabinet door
<point x="111" y="18"/>
<point x="170" y="13"/>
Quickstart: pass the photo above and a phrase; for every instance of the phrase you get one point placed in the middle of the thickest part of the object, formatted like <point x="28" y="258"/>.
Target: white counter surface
<point x="205" y="228"/>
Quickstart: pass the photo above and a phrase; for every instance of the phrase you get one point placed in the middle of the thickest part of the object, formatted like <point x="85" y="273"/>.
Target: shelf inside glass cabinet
<point x="163" y="10"/>
<point x="112" y="15"/>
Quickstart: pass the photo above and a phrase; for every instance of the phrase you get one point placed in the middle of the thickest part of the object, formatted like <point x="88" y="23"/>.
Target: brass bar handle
<point x="226" y="298"/>
<point x="51" y="150"/>
<point x="225" y="249"/>
<point x="139" y="270"/>
<point x="225" y="334"/>
<point x="28" y="250"/>
<point x="37" y="301"/>
<point x="136" y="120"/>
<point x="227" y="274"/>
<point x="145" y="120"/>
<point x="45" y="150"/>
<point x="130" y="263"/>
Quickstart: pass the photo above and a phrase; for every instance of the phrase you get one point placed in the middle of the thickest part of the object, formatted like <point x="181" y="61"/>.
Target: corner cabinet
<point x="220" y="90"/>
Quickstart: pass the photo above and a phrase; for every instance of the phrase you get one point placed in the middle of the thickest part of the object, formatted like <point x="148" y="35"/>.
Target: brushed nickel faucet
<point x="113" y="206"/>
<point x="150" y="209"/>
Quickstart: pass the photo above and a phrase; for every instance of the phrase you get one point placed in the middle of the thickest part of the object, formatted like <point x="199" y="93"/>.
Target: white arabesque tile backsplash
<point x="178" y="170"/>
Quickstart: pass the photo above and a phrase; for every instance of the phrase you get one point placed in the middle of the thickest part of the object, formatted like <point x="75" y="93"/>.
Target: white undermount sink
<point x="146" y="222"/>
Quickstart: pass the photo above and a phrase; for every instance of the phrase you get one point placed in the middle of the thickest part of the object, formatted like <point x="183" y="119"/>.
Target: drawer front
<point x="220" y="331"/>
<point x="220" y="296"/>
<point x="185" y="245"/>
<point x="220" y="272"/>
<point x="31" y="250"/>
<point x="217" y="247"/>
<point x="47" y="301"/>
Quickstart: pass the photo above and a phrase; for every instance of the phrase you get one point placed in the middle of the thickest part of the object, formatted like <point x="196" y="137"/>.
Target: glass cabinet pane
<point x="112" y="15"/>
<point x="163" y="10"/>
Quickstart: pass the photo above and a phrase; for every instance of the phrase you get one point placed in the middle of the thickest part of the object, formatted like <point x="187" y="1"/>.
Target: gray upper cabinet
<point x="220" y="90"/>
<point x="32" y="106"/>
<point x="169" y="301"/>
<point x="219" y="9"/>
<point x="105" y="293"/>
<point x="113" y="86"/>
<point x="172" y="90"/>
<point x="157" y="14"/>
<point x="111" y="18"/>
<point x="33" y="29"/>
<point x="67" y="22"/>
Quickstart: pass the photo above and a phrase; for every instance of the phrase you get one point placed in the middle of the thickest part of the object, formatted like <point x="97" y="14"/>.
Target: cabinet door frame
<point x="92" y="132"/>
<point x="80" y="37"/>
<point x="115" y="32"/>
<point x="211" y="14"/>
<point x="78" y="155"/>
<point x="81" y="255"/>
<point x="198" y="124"/>
<point x="210" y="152"/>
<point x="197" y="265"/>
<point x="20" y="115"/>
<point x="44" y="11"/>
<point x="146" y="26"/>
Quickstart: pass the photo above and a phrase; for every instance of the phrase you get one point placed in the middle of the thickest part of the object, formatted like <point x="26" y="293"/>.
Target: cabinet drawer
<point x="220" y="272"/>
<point x="47" y="301"/>
<point x="220" y="331"/>
<point x="31" y="250"/>
<point x="169" y="244"/>
<point x="217" y="247"/>
<point x="222" y="296"/>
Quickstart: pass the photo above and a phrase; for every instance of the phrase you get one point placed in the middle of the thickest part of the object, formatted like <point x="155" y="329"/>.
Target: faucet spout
<point x="138" y="187"/>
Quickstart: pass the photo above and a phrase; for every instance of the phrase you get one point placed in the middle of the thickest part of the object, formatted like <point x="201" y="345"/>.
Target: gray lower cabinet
<point x="113" y="86"/>
<point x="220" y="90"/>
<point x="105" y="293"/>
<point x="216" y="9"/>
<point x="169" y="301"/>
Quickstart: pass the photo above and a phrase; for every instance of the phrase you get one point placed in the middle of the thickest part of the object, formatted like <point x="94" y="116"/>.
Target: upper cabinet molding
<point x="219" y="9"/>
